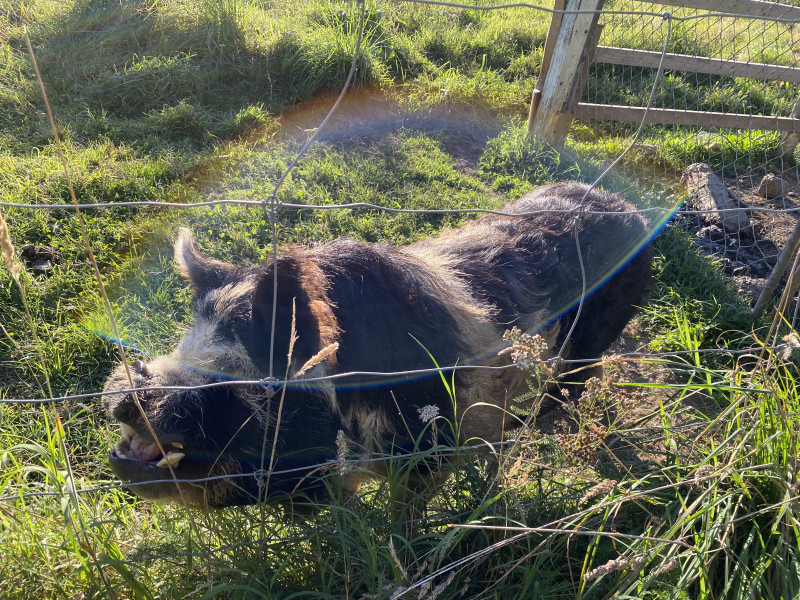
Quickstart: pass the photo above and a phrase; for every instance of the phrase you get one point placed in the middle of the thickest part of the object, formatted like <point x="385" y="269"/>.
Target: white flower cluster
<point x="428" y="413"/>
<point x="528" y="351"/>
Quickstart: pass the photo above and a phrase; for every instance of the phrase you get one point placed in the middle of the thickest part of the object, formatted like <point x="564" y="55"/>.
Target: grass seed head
<point x="324" y="354"/>
<point x="341" y="450"/>
<point x="668" y="566"/>
<point x="7" y="250"/>
<point x="611" y="566"/>
<point x="601" y="489"/>
<point x="702" y="473"/>
<point x="792" y="344"/>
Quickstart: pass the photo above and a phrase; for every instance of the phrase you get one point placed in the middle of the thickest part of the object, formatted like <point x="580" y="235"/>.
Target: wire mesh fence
<point x="748" y="67"/>
<point x="744" y="159"/>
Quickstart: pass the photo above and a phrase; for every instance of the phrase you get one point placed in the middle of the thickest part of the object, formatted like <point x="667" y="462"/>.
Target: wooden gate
<point x="572" y="46"/>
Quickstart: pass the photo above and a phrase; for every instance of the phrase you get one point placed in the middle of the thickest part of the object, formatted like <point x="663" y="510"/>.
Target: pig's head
<point x="226" y="433"/>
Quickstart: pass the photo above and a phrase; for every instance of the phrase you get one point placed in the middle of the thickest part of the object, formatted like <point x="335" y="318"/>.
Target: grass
<point x="690" y="491"/>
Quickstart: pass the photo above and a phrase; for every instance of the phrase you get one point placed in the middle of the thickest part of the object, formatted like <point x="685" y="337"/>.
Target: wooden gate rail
<point x="695" y="64"/>
<point x="673" y="116"/>
<point x="751" y="8"/>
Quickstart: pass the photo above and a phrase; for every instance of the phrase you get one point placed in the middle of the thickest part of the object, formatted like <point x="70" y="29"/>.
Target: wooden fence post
<point x="790" y="139"/>
<point x="557" y="88"/>
<point x="549" y="44"/>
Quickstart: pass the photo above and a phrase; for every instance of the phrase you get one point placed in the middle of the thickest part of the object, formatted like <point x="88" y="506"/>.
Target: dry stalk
<point x="99" y="279"/>
<point x="7" y="249"/>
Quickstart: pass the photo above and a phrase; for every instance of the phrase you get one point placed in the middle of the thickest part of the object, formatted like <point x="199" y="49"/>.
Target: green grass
<point x="183" y="102"/>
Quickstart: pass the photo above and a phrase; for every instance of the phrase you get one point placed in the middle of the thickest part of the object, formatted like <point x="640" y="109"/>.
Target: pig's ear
<point x="204" y="273"/>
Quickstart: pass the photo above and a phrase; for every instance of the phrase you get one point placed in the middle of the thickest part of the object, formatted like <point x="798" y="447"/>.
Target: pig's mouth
<point x="134" y="448"/>
<point x="177" y="474"/>
<point x="140" y="463"/>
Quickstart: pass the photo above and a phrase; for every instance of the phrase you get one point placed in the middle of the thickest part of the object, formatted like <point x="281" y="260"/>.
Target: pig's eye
<point x="226" y="333"/>
<point x="141" y="368"/>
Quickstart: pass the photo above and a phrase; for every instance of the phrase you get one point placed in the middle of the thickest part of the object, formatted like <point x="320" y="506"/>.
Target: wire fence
<point x="742" y="159"/>
<point x="635" y="18"/>
<point x="759" y="171"/>
<point x="307" y="382"/>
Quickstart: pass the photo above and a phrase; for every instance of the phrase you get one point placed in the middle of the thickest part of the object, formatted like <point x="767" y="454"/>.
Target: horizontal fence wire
<point x="447" y="519"/>
<point x="557" y="526"/>
<point x="280" y="205"/>
<point x="387" y="209"/>
<point x="307" y="382"/>
<point x="706" y="15"/>
<point x="276" y="382"/>
<point x="340" y="466"/>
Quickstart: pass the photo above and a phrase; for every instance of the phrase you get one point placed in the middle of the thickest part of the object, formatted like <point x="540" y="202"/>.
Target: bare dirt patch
<point x="749" y="255"/>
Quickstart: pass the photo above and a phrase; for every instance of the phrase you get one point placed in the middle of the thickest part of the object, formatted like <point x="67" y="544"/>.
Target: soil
<point x="749" y="257"/>
<point x="641" y="411"/>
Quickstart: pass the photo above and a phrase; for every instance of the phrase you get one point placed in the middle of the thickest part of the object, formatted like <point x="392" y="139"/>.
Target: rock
<point x="707" y="193"/>
<point x="741" y="270"/>
<point x="712" y="232"/>
<point x="646" y="149"/>
<point x="766" y="250"/>
<point x="771" y="186"/>
<point x="749" y="287"/>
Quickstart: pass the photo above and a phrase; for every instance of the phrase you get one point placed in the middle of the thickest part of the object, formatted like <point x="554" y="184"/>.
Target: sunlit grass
<point x="176" y="101"/>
